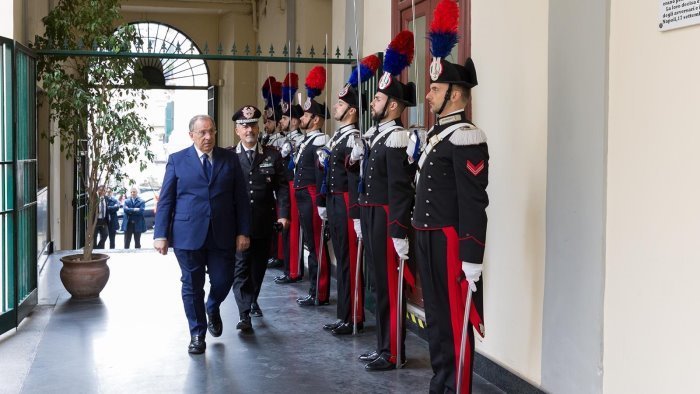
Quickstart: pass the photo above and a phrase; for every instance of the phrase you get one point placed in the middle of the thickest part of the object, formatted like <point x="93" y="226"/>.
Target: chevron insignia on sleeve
<point x="475" y="169"/>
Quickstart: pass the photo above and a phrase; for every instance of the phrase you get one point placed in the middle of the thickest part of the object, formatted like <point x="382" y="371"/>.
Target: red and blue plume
<point x="399" y="54"/>
<point x="315" y="81"/>
<point x="368" y="67"/>
<point x="290" y="86"/>
<point x="443" y="29"/>
<point x="276" y="93"/>
<point x="266" y="90"/>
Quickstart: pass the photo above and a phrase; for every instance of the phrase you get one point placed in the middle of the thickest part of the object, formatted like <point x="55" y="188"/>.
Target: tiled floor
<point x="133" y="339"/>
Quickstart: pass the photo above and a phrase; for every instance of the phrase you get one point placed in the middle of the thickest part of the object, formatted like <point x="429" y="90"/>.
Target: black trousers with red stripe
<point x="382" y="258"/>
<point x="344" y="242"/>
<point x="444" y="298"/>
<point x="311" y="228"/>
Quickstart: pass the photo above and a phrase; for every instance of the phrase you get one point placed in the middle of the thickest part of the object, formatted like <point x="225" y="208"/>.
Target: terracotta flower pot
<point x="84" y="279"/>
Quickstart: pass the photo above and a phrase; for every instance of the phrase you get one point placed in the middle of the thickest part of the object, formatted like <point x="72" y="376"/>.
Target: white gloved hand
<point x="286" y="149"/>
<point x="472" y="272"/>
<point x="323" y="155"/>
<point x="415" y="145"/>
<point x="401" y="247"/>
<point x="322" y="213"/>
<point x="358" y="229"/>
<point x="358" y="150"/>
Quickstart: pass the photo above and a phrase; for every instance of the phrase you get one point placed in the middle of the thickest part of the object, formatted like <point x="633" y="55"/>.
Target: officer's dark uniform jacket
<point x="265" y="180"/>
<point x="387" y="177"/>
<point x="307" y="172"/>
<point x="451" y="188"/>
<point x="341" y="177"/>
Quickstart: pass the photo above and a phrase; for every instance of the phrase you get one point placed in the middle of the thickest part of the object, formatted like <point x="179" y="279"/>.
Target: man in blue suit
<point x="204" y="214"/>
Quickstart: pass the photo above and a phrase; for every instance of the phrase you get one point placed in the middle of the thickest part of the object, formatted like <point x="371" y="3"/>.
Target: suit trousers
<point x="255" y="259"/>
<point x="102" y="231"/>
<point x="443" y="312"/>
<point x="382" y="259"/>
<point x="127" y="236"/>
<point x="194" y="264"/>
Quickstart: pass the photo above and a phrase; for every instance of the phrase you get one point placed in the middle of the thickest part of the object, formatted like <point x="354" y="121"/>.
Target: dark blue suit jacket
<point x="188" y="203"/>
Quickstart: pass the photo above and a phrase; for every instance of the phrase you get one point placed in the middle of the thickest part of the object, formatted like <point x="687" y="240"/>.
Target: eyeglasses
<point x="202" y="133"/>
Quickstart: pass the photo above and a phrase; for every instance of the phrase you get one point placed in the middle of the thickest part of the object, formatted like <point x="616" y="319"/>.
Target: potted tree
<point x="95" y="104"/>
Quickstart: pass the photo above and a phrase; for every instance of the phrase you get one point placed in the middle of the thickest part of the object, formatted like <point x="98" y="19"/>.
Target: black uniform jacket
<point x="265" y="179"/>
<point x="295" y="137"/>
<point x="388" y="177"/>
<point x="307" y="171"/>
<point x="340" y="177"/>
<point x="451" y="188"/>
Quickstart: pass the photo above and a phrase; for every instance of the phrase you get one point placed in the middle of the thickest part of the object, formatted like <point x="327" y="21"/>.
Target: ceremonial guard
<point x="341" y="201"/>
<point x="272" y="93"/>
<point x="386" y="199"/>
<point x="289" y="124"/>
<point x="264" y="175"/>
<point x="274" y="138"/>
<point x="308" y="189"/>
<point x="450" y="212"/>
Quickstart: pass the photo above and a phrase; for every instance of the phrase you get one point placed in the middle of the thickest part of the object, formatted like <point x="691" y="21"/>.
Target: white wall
<point x="7" y="18"/>
<point x="376" y="26"/>
<point x="509" y="48"/>
<point x="653" y="223"/>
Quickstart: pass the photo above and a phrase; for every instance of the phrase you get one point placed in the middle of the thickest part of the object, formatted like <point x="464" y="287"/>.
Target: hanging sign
<point x="674" y="14"/>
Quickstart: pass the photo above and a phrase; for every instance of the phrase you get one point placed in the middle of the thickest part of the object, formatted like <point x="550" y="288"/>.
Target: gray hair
<point x="198" y="117"/>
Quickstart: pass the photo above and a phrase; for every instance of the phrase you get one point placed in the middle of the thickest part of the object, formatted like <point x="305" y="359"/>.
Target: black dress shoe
<point x="369" y="356"/>
<point x="245" y="324"/>
<point x="310" y="301"/>
<point x="346" y="329"/>
<point x="284" y="279"/>
<point x="197" y="345"/>
<point x="332" y="326"/>
<point x="380" y="364"/>
<point x="274" y="263"/>
<point x="255" y="310"/>
<point x="215" y="325"/>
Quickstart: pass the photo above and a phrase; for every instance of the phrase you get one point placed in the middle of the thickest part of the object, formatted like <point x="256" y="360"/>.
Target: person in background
<point x="133" y="222"/>
<point x="102" y="219"/>
<point x="113" y="224"/>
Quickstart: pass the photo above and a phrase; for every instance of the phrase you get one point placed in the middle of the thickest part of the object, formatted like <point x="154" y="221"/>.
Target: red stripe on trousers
<point x="352" y="244"/>
<point x="293" y="234"/>
<point x="457" y="290"/>
<point x="324" y="290"/>
<point x="392" y="268"/>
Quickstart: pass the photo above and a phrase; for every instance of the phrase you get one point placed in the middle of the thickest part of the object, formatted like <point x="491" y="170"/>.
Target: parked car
<point x="149" y="214"/>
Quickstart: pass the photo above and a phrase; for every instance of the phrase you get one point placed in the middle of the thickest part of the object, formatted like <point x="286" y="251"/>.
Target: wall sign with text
<point x="678" y="13"/>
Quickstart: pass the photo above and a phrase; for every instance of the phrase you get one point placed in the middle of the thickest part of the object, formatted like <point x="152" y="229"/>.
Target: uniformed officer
<point x="289" y="124"/>
<point x="265" y="177"/>
<point x="450" y="218"/>
<point x="308" y="185"/>
<point x="386" y="203"/>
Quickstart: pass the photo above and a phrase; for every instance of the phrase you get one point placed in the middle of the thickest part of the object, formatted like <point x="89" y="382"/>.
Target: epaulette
<point x="468" y="136"/>
<point x="397" y="139"/>
<point x="320" y="141"/>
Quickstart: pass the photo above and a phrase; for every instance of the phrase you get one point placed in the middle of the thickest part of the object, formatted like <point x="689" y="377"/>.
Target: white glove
<point x="323" y="155"/>
<point x="358" y="230"/>
<point x="322" y="213"/>
<point x="286" y="149"/>
<point x="358" y="150"/>
<point x="472" y="272"/>
<point x="415" y="145"/>
<point x="401" y="247"/>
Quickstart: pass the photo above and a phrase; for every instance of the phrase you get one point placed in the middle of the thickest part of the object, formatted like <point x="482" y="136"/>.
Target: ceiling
<point x="189" y="6"/>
